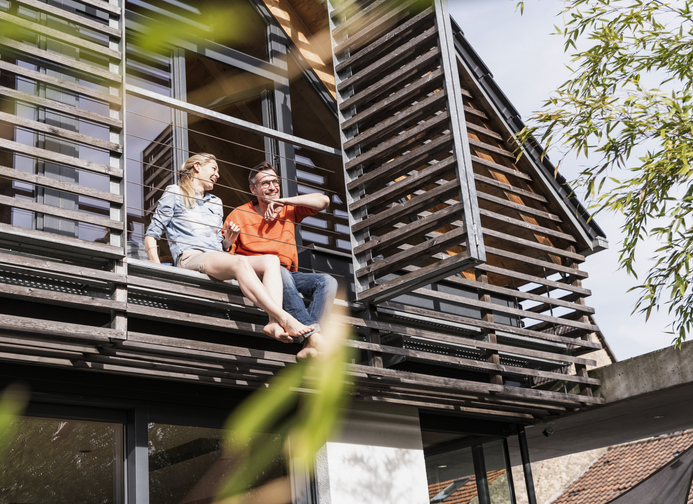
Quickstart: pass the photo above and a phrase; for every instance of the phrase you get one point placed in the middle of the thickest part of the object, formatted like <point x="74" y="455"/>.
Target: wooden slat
<point x="61" y="107"/>
<point x="156" y="343"/>
<point x="48" y="266"/>
<point x="63" y="37"/>
<point x="500" y="408"/>
<point x="359" y="17"/>
<point x="421" y="62"/>
<point x="62" y="213"/>
<point x="500" y="168"/>
<point x="392" y="58"/>
<point x="390" y="147"/>
<point x="391" y="36"/>
<point x="104" y="6"/>
<point x="519" y="331"/>
<point x="534" y="279"/>
<point x="71" y="17"/>
<point x="38" y="343"/>
<point x="49" y="328"/>
<point x="59" y="185"/>
<point x="463" y="301"/>
<point x="533" y="244"/>
<point x="517" y="206"/>
<point x="61" y="61"/>
<point x="409" y="208"/>
<point x="60" y="158"/>
<point x="519" y="295"/>
<point x="230" y="293"/>
<point x="61" y="83"/>
<point x="509" y="188"/>
<point x="429" y="274"/>
<point x="409" y="253"/>
<point x="475" y="112"/>
<point x="406" y="232"/>
<point x="374" y="28"/>
<point x="399" y="122"/>
<point x="479" y="364"/>
<point x="526" y="225"/>
<point x="490" y="148"/>
<point x="483" y="389"/>
<point x="406" y="186"/>
<point x="484" y="131"/>
<point x="403" y="164"/>
<point x="60" y="298"/>
<point x="28" y="238"/>
<point x="60" y="132"/>
<point x="192" y="319"/>
<point x="408" y="93"/>
<point x="548" y="265"/>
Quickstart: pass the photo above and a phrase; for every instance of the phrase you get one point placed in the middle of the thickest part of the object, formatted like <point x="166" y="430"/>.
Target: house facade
<point x="459" y="261"/>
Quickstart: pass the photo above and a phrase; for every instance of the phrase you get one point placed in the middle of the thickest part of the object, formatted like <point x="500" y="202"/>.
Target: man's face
<point x="266" y="185"/>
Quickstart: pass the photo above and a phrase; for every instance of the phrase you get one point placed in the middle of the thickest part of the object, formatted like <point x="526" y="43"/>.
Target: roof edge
<point x="533" y="150"/>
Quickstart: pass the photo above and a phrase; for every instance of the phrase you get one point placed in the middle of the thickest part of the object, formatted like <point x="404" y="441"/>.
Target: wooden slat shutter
<point x="410" y="188"/>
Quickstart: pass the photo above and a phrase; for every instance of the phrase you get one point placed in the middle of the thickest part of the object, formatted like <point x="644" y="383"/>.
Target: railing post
<point x="526" y="464"/>
<point x="580" y="369"/>
<point x="496" y="377"/>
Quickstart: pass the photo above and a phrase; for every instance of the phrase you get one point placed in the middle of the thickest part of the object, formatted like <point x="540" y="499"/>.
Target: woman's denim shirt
<point x="188" y="228"/>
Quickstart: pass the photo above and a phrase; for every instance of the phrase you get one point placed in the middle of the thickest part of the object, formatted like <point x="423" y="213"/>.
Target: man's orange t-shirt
<point x="259" y="237"/>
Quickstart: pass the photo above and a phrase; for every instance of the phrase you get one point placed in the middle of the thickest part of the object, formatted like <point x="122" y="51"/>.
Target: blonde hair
<point x="186" y="176"/>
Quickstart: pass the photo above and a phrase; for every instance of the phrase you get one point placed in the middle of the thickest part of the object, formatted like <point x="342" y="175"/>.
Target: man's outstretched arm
<point x="315" y="201"/>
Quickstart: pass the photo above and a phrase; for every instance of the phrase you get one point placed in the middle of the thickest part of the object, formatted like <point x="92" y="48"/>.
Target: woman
<point x="192" y="217"/>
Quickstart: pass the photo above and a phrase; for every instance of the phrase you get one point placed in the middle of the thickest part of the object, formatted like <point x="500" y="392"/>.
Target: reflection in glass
<point x="496" y="474"/>
<point x="63" y="462"/>
<point x="452" y="470"/>
<point x="451" y="476"/>
<point x="188" y="464"/>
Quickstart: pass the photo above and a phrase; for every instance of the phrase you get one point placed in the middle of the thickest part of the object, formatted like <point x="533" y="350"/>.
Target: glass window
<point x="188" y="464"/>
<point x="63" y="462"/>
<point x="458" y="467"/>
<point x="235" y="24"/>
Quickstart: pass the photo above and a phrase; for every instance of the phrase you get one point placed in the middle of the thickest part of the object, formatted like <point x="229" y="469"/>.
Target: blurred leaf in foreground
<point x="303" y="403"/>
<point x="13" y="401"/>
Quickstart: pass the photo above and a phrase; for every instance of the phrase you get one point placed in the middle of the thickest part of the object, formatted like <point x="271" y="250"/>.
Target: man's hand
<point x="230" y="233"/>
<point x="273" y="209"/>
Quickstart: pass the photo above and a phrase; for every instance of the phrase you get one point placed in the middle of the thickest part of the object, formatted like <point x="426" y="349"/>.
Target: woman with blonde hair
<point x="192" y="218"/>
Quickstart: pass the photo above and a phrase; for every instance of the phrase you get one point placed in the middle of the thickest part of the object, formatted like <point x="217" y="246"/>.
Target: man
<point x="268" y="227"/>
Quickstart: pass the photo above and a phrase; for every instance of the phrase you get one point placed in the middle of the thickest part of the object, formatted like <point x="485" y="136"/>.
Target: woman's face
<point x="206" y="174"/>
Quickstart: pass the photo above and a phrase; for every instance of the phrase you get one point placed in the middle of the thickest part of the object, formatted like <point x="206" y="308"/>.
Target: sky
<point x="528" y="63"/>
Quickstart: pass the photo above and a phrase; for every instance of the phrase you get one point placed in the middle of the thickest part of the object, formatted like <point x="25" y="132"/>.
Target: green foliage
<point x="628" y="106"/>
<point x="12" y="403"/>
<point x="303" y="403"/>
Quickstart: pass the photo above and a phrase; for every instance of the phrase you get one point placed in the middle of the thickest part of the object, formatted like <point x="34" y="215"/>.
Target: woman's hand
<point x="230" y="232"/>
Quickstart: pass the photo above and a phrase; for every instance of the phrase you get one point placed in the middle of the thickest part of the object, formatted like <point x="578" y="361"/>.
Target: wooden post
<point x="580" y="369"/>
<point x="496" y="378"/>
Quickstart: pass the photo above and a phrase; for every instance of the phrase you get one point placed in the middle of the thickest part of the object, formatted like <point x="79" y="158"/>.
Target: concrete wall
<point x="377" y="459"/>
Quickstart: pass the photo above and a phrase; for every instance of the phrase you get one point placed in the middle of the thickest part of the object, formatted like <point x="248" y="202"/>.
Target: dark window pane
<point x="63" y="462"/>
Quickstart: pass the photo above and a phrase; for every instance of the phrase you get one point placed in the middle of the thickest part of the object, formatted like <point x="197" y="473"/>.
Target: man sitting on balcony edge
<point x="268" y="227"/>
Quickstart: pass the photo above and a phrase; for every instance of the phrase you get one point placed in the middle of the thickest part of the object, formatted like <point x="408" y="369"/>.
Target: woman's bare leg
<point x="223" y="266"/>
<point x="267" y="268"/>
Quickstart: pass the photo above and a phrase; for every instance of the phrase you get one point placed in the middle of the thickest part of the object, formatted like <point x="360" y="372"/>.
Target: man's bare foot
<point x="274" y="330"/>
<point x="293" y="327"/>
<point x="312" y="346"/>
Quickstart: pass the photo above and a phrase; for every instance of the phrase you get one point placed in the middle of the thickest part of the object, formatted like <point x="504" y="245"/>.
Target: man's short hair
<point x="265" y="165"/>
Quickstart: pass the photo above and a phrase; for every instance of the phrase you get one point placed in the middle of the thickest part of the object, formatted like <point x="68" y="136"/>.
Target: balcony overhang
<point x="645" y="396"/>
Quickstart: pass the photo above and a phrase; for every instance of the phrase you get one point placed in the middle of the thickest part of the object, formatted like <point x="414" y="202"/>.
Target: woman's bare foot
<point x="274" y="330"/>
<point x="312" y="346"/>
<point x="293" y="327"/>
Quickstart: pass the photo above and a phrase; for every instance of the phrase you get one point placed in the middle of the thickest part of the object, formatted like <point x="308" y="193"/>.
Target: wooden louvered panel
<point x="76" y="58"/>
<point x="407" y="173"/>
